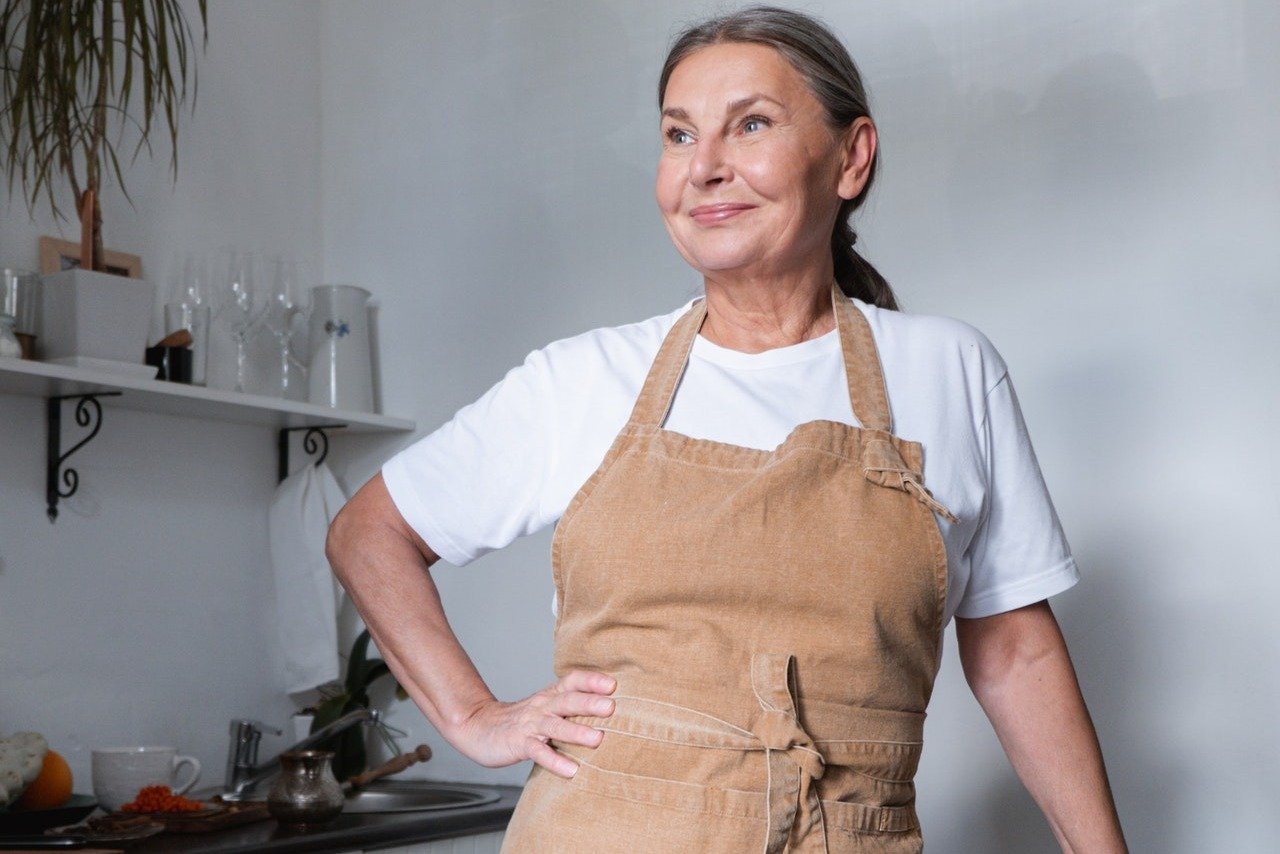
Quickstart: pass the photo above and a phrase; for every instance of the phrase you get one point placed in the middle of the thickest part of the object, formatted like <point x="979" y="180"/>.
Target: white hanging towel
<point x="307" y="594"/>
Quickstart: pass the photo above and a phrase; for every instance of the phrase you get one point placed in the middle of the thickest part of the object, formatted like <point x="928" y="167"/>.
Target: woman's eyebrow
<point x="732" y="107"/>
<point x="743" y="103"/>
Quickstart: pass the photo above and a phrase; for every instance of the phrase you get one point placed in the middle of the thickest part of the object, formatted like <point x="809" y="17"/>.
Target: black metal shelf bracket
<point x="88" y="414"/>
<point x="315" y="440"/>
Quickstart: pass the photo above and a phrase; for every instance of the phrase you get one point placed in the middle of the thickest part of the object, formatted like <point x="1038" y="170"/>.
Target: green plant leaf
<point x="355" y="663"/>
<point x="328" y="711"/>
<point x="373" y="669"/>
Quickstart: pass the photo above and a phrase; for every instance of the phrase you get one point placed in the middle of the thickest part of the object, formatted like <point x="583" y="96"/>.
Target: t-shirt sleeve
<point x="1019" y="552"/>
<point x="476" y="483"/>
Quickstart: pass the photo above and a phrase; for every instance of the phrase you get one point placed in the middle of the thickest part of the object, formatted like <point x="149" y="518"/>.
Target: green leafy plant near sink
<point x="350" y="757"/>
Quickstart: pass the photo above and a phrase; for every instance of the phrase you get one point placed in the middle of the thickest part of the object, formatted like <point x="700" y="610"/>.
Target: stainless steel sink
<point x="416" y="796"/>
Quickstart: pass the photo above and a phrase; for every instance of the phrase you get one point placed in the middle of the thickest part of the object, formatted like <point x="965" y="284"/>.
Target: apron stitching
<point x="822" y="821"/>
<point x="768" y="789"/>
<point x="735" y="727"/>
<point x="615" y="453"/>
<point x="940" y="568"/>
<point x="762" y="700"/>
<point x="634" y="799"/>
<point x="874" y="777"/>
<point x="660" y="740"/>
<point x="865" y="741"/>
<point x="601" y="770"/>
<point x="773" y="455"/>
<point x="877" y="808"/>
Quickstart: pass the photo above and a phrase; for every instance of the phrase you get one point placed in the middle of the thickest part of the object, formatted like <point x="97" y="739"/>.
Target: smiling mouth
<point x="711" y="214"/>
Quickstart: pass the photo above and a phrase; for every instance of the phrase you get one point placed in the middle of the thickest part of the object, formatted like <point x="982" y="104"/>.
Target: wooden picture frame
<point x="57" y="255"/>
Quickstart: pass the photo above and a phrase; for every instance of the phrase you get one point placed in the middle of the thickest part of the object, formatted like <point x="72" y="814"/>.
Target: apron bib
<point x="774" y="623"/>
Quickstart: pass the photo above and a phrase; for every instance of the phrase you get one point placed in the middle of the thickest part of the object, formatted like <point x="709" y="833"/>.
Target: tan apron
<point x="773" y="619"/>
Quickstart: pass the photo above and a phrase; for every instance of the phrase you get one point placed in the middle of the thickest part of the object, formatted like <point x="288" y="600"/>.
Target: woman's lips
<point x="709" y="214"/>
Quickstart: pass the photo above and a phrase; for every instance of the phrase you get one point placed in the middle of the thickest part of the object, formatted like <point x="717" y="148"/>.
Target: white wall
<point x="1093" y="184"/>
<point x="145" y="615"/>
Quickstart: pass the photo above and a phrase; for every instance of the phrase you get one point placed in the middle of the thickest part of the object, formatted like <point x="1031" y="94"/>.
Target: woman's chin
<point x="723" y="262"/>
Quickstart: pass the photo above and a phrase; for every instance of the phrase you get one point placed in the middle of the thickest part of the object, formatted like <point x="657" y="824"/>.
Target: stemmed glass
<point x="241" y="299"/>
<point x="188" y="307"/>
<point x="285" y="311"/>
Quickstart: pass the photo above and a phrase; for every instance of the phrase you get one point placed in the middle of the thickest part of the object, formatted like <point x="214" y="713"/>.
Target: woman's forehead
<point x="722" y="74"/>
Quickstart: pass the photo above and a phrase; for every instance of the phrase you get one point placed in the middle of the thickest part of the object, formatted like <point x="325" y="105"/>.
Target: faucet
<point x="244" y="774"/>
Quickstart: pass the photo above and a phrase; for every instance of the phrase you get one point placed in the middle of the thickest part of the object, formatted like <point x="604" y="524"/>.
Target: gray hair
<point x="831" y="75"/>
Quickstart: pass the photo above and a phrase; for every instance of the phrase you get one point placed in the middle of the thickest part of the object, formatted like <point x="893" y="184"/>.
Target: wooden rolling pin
<point x="421" y="754"/>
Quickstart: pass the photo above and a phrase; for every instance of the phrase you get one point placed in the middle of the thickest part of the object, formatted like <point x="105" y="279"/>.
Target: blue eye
<point x="753" y="123"/>
<point x="679" y="136"/>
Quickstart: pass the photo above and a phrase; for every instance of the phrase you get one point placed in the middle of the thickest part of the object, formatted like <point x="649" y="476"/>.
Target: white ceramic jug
<point x="340" y="371"/>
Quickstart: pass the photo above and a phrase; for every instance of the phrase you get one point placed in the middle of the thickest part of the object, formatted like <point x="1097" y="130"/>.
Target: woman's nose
<point x="709" y="165"/>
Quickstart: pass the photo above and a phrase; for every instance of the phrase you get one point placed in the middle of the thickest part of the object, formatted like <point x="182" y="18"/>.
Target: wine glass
<point x="188" y="306"/>
<point x="285" y="312"/>
<point x="241" y="299"/>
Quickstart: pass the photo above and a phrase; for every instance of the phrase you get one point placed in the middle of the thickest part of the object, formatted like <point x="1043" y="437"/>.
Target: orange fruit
<point x="52" y="788"/>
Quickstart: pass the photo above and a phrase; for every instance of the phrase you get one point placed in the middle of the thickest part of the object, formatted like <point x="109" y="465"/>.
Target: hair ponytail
<point x="855" y="274"/>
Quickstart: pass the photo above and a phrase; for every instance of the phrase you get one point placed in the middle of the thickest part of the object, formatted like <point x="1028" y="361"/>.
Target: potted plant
<point x="350" y="756"/>
<point x="74" y="74"/>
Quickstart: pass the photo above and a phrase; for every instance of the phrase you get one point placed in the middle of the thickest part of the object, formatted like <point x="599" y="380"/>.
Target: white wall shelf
<point x="54" y="383"/>
<point x="41" y="379"/>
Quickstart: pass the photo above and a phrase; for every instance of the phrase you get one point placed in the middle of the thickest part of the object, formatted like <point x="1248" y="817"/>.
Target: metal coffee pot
<point x="306" y="795"/>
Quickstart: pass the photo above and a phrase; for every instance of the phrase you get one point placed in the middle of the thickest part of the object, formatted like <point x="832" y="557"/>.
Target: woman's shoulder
<point x="934" y="343"/>
<point x="621" y="349"/>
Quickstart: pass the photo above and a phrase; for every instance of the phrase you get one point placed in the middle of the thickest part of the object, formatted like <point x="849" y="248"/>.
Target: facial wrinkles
<point x="795" y="118"/>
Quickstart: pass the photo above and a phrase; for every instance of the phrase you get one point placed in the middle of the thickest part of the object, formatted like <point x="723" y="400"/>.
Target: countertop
<point x="347" y="833"/>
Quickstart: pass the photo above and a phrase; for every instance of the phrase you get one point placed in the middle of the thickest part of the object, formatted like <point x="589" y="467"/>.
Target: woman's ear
<point x="857" y="149"/>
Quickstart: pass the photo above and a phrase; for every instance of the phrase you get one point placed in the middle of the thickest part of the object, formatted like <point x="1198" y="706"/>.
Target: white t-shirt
<point x="508" y="464"/>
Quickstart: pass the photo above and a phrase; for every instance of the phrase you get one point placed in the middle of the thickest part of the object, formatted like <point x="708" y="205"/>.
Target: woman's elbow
<point x="358" y="521"/>
<point x="993" y="649"/>
<point x="367" y="526"/>
<point x="341" y="533"/>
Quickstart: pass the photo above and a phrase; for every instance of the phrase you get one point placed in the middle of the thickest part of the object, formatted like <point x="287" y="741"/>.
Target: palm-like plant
<point x="73" y="75"/>
<point x="362" y="672"/>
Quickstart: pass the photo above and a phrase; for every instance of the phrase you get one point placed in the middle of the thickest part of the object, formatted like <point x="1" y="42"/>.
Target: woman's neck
<point x="754" y="316"/>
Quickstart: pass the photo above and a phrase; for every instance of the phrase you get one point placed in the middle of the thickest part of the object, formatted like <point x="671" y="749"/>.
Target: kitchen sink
<point x="382" y="796"/>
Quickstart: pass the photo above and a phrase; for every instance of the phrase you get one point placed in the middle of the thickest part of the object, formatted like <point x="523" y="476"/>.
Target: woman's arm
<point x="385" y="567"/>
<point x="1019" y="669"/>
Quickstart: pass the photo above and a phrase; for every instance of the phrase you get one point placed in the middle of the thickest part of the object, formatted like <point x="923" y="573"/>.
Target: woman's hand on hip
<point x="498" y="734"/>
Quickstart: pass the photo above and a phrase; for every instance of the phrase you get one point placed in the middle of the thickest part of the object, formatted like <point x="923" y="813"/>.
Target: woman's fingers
<point x="555" y="762"/>
<point x="502" y="733"/>
<point x="578" y="703"/>
<point x="589" y="681"/>
<point x="566" y="732"/>
<point x="554" y="726"/>
<point x="579" y="692"/>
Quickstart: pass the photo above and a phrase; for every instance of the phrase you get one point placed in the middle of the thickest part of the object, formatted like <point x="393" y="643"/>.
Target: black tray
<point x="15" y="821"/>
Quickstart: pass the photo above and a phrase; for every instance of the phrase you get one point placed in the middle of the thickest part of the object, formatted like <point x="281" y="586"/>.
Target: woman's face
<point x="751" y="176"/>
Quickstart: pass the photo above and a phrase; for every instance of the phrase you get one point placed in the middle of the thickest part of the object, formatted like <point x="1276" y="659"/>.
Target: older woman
<point x="752" y="576"/>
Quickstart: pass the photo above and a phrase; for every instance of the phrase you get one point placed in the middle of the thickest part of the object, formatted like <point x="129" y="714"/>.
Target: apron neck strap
<point x="861" y="366"/>
<point x="668" y="366"/>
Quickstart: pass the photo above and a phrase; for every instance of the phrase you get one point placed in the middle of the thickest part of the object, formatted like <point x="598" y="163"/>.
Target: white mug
<point x="120" y="772"/>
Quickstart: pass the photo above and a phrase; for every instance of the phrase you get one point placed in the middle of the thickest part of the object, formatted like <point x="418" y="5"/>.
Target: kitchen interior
<point x="484" y="171"/>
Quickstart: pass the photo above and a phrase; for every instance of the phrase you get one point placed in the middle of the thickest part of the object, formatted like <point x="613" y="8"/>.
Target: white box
<point x="94" y="315"/>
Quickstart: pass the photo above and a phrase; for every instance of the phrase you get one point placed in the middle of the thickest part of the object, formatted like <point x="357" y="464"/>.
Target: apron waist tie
<point x="792" y="760"/>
